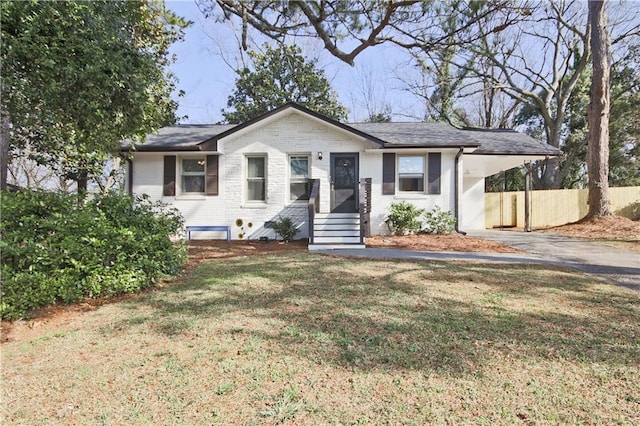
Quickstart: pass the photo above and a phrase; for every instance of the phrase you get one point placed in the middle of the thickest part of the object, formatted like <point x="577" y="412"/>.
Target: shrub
<point x="403" y="218"/>
<point x="55" y="249"/>
<point x="285" y="227"/>
<point x="438" y="221"/>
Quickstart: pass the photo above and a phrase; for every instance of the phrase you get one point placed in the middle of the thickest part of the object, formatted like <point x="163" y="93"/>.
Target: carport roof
<point x="509" y="142"/>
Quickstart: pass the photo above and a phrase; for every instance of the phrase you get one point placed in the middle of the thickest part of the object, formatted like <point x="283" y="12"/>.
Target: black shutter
<point x="434" y="170"/>
<point x="212" y="174"/>
<point x="169" y="184"/>
<point x="388" y="173"/>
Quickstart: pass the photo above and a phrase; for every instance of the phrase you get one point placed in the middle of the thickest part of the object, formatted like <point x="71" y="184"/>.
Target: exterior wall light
<point x="319" y="155"/>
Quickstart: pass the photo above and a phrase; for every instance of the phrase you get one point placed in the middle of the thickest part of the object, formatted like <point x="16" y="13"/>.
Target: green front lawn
<point x="308" y="339"/>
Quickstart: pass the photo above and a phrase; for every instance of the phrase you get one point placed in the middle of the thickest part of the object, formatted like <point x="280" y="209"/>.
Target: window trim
<point x="291" y="179"/>
<point x="424" y="173"/>
<point x="182" y="173"/>
<point x="247" y="178"/>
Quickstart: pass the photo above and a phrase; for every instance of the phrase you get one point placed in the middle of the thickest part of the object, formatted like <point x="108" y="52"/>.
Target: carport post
<point x="527" y="198"/>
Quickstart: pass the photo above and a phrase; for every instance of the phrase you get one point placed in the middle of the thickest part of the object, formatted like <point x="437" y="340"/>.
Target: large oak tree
<point x="79" y="77"/>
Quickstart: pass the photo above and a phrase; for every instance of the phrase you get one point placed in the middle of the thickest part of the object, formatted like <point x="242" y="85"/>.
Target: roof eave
<point x="415" y="145"/>
<point x="532" y="153"/>
<point x="142" y="148"/>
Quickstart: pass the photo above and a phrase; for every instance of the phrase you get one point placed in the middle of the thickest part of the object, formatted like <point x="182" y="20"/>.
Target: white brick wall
<point x="293" y="133"/>
<point x="372" y="167"/>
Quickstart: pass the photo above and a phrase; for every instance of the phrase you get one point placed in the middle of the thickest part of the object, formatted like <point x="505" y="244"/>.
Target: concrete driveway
<point x="621" y="267"/>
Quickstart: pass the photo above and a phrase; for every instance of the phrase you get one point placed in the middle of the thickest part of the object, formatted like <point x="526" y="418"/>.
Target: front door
<point x="344" y="183"/>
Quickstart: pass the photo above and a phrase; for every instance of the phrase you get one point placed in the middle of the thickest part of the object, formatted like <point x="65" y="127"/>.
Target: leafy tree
<point x="379" y="117"/>
<point x="624" y="127"/>
<point x="278" y="76"/>
<point x="574" y="147"/>
<point x="79" y="77"/>
<point x="508" y="180"/>
<point x="441" y="81"/>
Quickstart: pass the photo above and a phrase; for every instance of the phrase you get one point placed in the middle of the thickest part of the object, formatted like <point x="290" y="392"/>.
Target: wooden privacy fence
<point x="554" y="207"/>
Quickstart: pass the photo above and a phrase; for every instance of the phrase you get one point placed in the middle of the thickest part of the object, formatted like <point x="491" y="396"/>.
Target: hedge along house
<point x="336" y="181"/>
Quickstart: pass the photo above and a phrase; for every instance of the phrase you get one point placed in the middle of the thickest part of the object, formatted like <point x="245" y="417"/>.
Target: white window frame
<point x="249" y="179"/>
<point x="424" y="173"/>
<point x="182" y="173"/>
<point x="294" y="179"/>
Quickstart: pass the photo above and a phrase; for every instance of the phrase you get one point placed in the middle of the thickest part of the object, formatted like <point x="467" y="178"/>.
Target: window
<point x="411" y="173"/>
<point x="298" y="177"/>
<point x="256" y="178"/>
<point x="193" y="175"/>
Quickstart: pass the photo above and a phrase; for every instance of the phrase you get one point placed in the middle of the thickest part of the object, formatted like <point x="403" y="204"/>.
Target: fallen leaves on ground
<point x="439" y="242"/>
<point x="601" y="228"/>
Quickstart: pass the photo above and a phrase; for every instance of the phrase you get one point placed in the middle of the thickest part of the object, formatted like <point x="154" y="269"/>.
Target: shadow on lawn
<point x="368" y="314"/>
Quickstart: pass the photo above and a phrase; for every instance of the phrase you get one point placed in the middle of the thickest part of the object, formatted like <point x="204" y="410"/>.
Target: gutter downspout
<point x="456" y="195"/>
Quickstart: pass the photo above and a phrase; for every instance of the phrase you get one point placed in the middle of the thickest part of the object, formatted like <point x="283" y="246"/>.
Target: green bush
<point x="438" y="221"/>
<point x="285" y="227"/>
<point x="55" y="249"/>
<point x="403" y="218"/>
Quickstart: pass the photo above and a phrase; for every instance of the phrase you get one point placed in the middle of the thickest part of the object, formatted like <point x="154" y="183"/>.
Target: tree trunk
<point x="4" y="149"/>
<point x="598" y="148"/>
<point x="82" y="181"/>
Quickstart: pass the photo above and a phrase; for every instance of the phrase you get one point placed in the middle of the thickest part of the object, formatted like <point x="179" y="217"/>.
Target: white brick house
<point x="246" y="176"/>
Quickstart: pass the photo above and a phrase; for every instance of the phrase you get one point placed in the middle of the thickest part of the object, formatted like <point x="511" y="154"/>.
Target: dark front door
<point x="344" y="183"/>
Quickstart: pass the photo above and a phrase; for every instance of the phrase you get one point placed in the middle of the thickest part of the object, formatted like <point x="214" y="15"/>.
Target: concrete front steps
<point x="333" y="231"/>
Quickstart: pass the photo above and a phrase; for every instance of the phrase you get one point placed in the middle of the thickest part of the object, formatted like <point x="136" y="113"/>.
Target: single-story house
<point x="335" y="180"/>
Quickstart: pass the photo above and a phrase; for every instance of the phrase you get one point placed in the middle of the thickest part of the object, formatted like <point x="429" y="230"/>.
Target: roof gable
<point x="287" y="108"/>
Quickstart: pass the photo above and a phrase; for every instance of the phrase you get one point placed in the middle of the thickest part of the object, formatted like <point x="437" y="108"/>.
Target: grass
<point x="306" y="339"/>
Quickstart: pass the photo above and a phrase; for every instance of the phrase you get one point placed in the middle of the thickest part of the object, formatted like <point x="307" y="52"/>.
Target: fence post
<point x="527" y="198"/>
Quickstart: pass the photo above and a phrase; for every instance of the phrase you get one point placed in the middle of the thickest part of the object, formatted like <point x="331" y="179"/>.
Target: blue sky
<point x="204" y="74"/>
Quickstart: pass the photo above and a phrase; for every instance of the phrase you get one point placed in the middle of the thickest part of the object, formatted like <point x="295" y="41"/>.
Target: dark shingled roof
<point x="436" y="135"/>
<point x="509" y="142"/>
<point x="181" y="137"/>
<point x="190" y="137"/>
